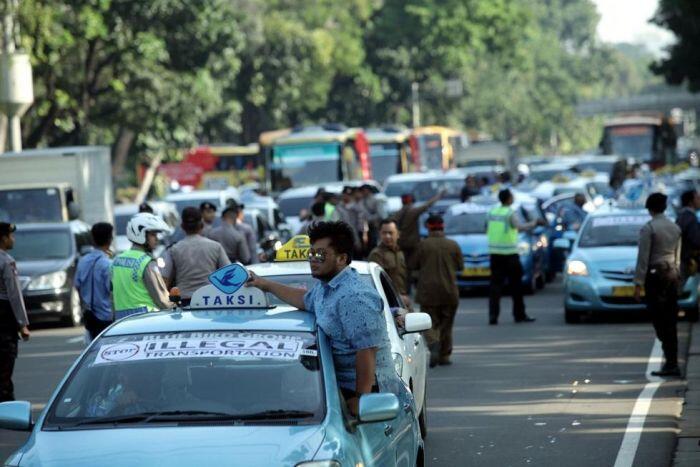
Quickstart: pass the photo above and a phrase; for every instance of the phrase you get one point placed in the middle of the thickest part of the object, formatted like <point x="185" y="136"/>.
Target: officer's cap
<point x="207" y="205"/>
<point x="6" y="228"/>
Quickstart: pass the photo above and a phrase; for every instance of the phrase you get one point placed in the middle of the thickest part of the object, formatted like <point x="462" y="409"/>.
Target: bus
<point x="641" y="138"/>
<point x="437" y="147"/>
<point x="318" y="154"/>
<point x="391" y="152"/>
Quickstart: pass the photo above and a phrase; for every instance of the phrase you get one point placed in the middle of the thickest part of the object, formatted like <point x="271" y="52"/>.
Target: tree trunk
<point x="120" y="151"/>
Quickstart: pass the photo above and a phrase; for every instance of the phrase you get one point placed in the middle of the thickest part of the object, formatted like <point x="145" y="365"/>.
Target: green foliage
<point x="682" y="17"/>
<point x="175" y="72"/>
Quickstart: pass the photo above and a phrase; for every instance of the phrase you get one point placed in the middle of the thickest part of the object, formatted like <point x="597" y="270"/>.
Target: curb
<point x="688" y="447"/>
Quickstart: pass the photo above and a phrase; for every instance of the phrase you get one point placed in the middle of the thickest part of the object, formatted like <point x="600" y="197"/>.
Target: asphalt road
<point x="543" y="393"/>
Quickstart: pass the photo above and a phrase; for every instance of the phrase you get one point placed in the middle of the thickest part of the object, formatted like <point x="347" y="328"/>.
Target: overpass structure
<point x="661" y="102"/>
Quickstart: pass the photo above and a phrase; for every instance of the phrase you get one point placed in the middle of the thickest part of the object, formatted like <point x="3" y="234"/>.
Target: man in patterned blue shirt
<point x="349" y="311"/>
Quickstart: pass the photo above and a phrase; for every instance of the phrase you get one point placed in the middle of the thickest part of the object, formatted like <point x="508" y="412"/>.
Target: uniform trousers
<point x="8" y="355"/>
<point x="506" y="267"/>
<point x="661" y="290"/>
<point x="439" y="337"/>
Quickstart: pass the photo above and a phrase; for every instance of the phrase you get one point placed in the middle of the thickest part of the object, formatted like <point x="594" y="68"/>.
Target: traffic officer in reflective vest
<point x="137" y="285"/>
<point x="502" y="234"/>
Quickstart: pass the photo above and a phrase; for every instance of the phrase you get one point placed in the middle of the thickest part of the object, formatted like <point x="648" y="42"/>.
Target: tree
<point x="682" y="65"/>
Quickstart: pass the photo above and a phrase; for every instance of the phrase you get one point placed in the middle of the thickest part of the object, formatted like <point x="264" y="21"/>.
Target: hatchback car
<point x="229" y="381"/>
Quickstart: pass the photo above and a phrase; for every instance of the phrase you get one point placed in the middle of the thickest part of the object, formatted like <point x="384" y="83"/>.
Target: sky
<point x="628" y="21"/>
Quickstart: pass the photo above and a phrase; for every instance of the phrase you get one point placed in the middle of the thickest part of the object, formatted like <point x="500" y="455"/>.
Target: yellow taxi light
<point x="296" y="249"/>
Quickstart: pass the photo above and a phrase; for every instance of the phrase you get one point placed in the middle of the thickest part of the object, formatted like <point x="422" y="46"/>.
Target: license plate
<point x="624" y="291"/>
<point x="476" y="272"/>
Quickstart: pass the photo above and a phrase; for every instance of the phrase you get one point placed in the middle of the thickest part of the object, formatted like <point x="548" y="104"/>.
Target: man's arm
<point x="287" y="294"/>
<point x="643" y="255"/>
<point x="242" y="249"/>
<point x="522" y="226"/>
<point x="692" y="235"/>
<point x="156" y="286"/>
<point x="365" y="366"/>
<point x="14" y="296"/>
<point x="168" y="271"/>
<point x="428" y="204"/>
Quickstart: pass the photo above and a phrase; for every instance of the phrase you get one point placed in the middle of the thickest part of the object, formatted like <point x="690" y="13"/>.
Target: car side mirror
<point x="562" y="244"/>
<point x="73" y="210"/>
<point x="378" y="407"/>
<point x="17" y="415"/>
<point x="417" y="322"/>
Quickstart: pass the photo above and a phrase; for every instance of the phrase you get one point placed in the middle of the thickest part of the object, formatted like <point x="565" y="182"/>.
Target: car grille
<point x="471" y="258"/>
<point x="620" y="300"/>
<point x="618" y="275"/>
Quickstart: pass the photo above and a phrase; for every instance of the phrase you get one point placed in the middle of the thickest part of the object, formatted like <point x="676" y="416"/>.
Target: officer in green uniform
<point x="502" y="234"/>
<point x="137" y="285"/>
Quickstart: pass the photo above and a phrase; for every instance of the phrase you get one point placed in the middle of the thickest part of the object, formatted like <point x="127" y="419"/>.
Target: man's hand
<point x="637" y="293"/>
<point x="407" y="301"/>
<point x="354" y="406"/>
<point x="24" y="333"/>
<point x="257" y="281"/>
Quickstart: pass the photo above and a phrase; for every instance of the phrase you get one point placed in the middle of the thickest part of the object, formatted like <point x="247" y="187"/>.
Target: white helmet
<point x="144" y="222"/>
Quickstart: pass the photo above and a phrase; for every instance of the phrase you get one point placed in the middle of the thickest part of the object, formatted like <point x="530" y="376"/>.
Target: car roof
<point x="52" y="226"/>
<point x="609" y="209"/>
<point x="559" y="165"/>
<point x="289" y="268"/>
<point x="280" y="318"/>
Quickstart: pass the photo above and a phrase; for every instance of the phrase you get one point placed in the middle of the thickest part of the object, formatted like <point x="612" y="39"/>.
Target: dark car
<point x="46" y="256"/>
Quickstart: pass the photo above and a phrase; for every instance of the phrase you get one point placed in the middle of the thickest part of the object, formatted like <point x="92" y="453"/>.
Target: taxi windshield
<point x="302" y="281"/>
<point x="466" y="223"/>
<point x="194" y="377"/>
<point x="612" y="231"/>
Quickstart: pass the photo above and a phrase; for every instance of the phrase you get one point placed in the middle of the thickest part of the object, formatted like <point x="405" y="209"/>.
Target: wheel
<point x="571" y="316"/>
<point x="423" y="415"/>
<point x="75" y="312"/>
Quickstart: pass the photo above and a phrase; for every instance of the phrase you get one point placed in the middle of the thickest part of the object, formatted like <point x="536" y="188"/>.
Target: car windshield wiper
<point x="146" y="417"/>
<point x="275" y="415"/>
<point x="131" y="418"/>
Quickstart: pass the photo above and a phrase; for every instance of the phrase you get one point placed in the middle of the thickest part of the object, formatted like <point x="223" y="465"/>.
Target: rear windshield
<point x="194" y="377"/>
<point x="612" y="231"/>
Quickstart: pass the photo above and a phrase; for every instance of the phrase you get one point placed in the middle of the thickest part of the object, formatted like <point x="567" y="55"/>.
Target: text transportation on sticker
<point x="296" y="249"/>
<point x="237" y="345"/>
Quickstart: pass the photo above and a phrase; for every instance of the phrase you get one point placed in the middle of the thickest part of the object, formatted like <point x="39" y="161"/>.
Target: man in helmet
<point x="137" y="285"/>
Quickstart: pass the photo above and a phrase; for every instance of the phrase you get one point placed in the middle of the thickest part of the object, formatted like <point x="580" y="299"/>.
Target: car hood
<point x="175" y="446"/>
<point x="393" y="204"/>
<point x="617" y="258"/>
<point x="37" y="268"/>
<point x="472" y="244"/>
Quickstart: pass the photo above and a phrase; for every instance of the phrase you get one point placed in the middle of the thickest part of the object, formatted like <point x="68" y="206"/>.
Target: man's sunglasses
<point x="317" y="255"/>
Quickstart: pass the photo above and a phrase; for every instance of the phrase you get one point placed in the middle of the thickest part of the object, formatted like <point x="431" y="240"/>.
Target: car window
<point x="392" y="296"/>
<point x="188" y="374"/>
<point x="620" y="230"/>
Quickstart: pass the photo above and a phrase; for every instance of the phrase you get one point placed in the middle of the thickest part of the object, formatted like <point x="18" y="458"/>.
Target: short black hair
<point x="387" y="221"/>
<point x="656" y="203"/>
<point x="102" y="233"/>
<point x="687" y="197"/>
<point x="145" y="207"/>
<point x="504" y="195"/>
<point x="318" y="209"/>
<point x="340" y="234"/>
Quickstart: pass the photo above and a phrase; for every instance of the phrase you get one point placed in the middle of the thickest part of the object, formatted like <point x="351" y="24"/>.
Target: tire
<point x="571" y="316"/>
<point x="75" y="312"/>
<point x="423" y="415"/>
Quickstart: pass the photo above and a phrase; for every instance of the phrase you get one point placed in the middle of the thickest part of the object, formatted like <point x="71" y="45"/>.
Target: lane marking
<point x="635" y="425"/>
<point x="76" y="339"/>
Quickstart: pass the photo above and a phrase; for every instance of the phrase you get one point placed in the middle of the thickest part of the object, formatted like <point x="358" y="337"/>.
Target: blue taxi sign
<point x="296" y="249"/>
<point x="229" y="278"/>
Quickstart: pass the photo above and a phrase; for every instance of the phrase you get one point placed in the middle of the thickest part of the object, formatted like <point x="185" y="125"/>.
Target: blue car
<point x="466" y="223"/>
<point x="229" y="381"/>
<point x="599" y="272"/>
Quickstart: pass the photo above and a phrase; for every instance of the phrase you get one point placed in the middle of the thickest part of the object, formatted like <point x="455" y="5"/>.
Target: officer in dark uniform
<point x="657" y="270"/>
<point x="13" y="314"/>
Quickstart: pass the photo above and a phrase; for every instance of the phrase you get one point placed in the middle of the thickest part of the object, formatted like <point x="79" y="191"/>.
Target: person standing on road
<point x="390" y="257"/>
<point x="230" y="238"/>
<point x="247" y="231"/>
<point x="137" y="285"/>
<point x="657" y="270"/>
<point x="502" y="234"/>
<point x="13" y="314"/>
<point x="437" y="260"/>
<point x="407" y="222"/>
<point x="349" y="311"/>
<point x="189" y="262"/>
<point x="687" y="221"/>
<point x="209" y="218"/>
<point x="93" y="281"/>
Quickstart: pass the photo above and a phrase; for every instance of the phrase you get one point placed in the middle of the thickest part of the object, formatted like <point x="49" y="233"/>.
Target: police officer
<point x="246" y="230"/>
<point x="658" y="272"/>
<point x="687" y="220"/>
<point x="209" y="217"/>
<point x="230" y="238"/>
<point x="137" y="285"/>
<point x="189" y="262"/>
<point x="388" y="255"/>
<point x="502" y="233"/>
<point x="437" y="260"/>
<point x="13" y="314"/>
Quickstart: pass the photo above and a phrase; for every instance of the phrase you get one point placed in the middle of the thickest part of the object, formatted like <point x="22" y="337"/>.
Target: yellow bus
<point x="437" y="147"/>
<point x="390" y="150"/>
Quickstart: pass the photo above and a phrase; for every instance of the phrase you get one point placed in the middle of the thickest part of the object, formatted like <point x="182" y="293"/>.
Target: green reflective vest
<point x="502" y="237"/>
<point x="128" y="289"/>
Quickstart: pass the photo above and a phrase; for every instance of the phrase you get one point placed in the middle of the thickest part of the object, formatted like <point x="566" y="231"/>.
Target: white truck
<point x="56" y="185"/>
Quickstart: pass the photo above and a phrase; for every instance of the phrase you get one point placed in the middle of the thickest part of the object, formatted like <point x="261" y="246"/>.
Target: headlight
<point x="319" y="464"/>
<point x="524" y="248"/>
<point x="576" y="268"/>
<point x="398" y="363"/>
<point x="53" y="280"/>
<point x="544" y="243"/>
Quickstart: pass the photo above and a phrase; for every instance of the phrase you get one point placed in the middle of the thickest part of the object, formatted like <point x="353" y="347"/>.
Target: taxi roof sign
<point x="226" y="290"/>
<point x="296" y="249"/>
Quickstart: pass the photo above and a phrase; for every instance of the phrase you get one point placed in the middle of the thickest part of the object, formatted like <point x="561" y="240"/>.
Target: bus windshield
<point x="305" y="164"/>
<point x="385" y="160"/>
<point x="31" y="205"/>
<point x="632" y="141"/>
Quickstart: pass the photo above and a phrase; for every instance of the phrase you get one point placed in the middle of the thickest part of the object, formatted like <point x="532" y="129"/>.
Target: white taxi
<point x="408" y="347"/>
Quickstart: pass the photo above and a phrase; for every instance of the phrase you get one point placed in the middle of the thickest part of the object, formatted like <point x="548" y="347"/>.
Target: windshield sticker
<point x="609" y="221"/>
<point x="207" y="345"/>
